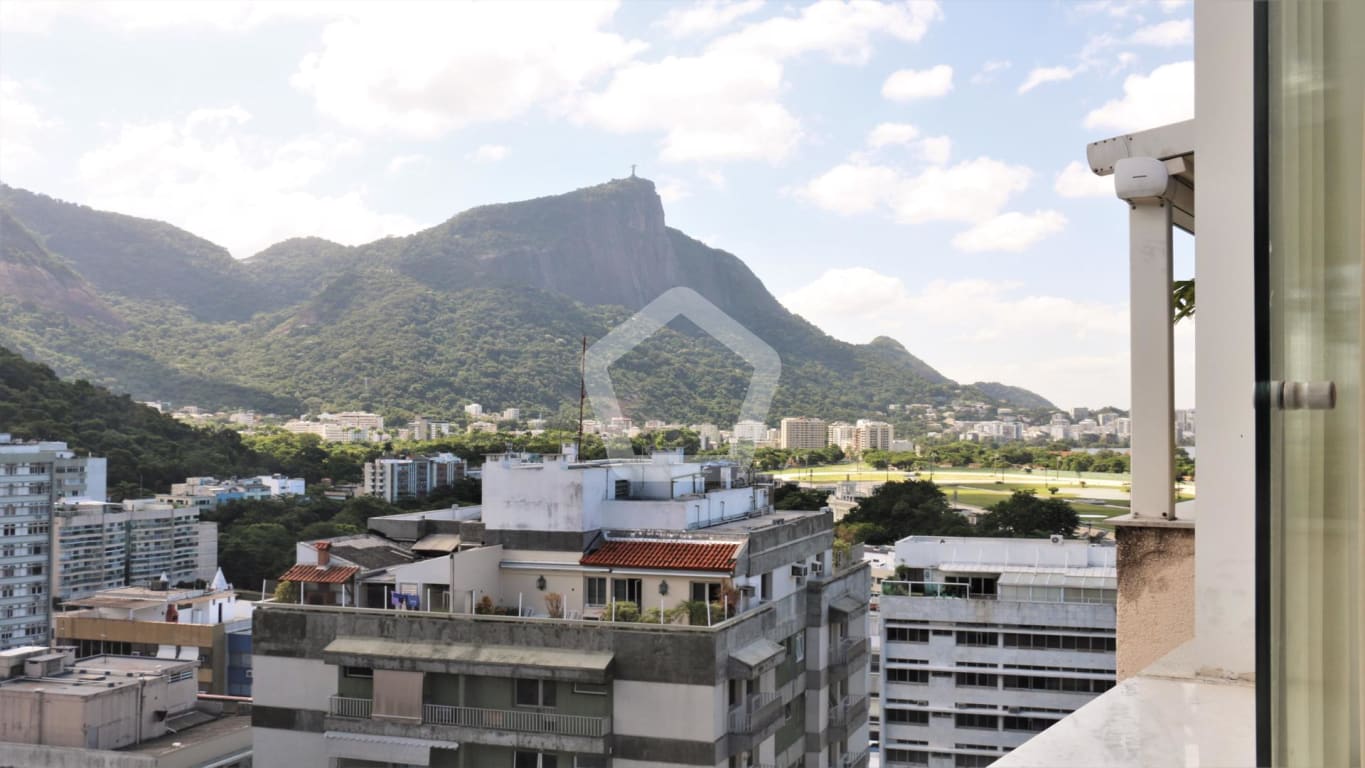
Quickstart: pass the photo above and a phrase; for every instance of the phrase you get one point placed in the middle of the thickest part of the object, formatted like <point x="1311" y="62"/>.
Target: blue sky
<point x="906" y="169"/>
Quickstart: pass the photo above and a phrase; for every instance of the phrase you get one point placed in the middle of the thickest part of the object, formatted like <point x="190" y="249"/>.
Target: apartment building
<point x="34" y="478"/>
<point x="411" y="477"/>
<point x="749" y="431"/>
<point x="174" y="624"/>
<point x="986" y="642"/>
<point x="844" y="435"/>
<point x="605" y="613"/>
<point x="801" y="433"/>
<point x="100" y="546"/>
<point x="873" y="435"/>
<point x="113" y="711"/>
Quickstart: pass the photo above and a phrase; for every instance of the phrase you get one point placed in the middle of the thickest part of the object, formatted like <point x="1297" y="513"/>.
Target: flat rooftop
<point x="189" y="735"/>
<point x="751" y="524"/>
<point x="97" y="674"/>
<point x="136" y="597"/>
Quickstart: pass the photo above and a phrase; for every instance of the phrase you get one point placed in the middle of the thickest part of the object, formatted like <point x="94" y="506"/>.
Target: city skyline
<point x="850" y="154"/>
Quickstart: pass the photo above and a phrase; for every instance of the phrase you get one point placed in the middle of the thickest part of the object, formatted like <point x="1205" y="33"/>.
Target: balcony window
<point x="535" y="693"/>
<point x="522" y="759"/>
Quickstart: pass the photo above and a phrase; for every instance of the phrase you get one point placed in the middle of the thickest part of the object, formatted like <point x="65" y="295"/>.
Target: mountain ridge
<point x="305" y="319"/>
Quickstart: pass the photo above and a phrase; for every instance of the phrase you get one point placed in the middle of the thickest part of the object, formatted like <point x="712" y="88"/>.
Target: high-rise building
<point x="631" y="614"/>
<point x="873" y="435"/>
<point x="844" y="435"/>
<point x="986" y="642"/>
<point x="34" y="478"/>
<point x="749" y="431"/>
<point x="411" y="477"/>
<point x="801" y="433"/>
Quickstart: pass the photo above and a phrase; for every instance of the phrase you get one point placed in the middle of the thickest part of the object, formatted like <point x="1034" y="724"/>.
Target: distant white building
<point x="985" y="642"/>
<point x="801" y="433"/>
<point x="511" y="414"/>
<point x="874" y="435"/>
<point x="844" y="435"/>
<point x="749" y="432"/>
<point x="392" y="479"/>
<point x="473" y="410"/>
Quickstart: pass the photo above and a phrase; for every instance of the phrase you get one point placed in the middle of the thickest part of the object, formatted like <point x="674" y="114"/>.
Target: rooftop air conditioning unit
<point x="1055" y="538"/>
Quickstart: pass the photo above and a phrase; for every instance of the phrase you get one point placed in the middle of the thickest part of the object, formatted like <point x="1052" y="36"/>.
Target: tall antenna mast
<point x="582" y="393"/>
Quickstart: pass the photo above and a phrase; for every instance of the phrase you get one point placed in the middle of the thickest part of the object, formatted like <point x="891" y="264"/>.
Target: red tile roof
<point x="673" y="555"/>
<point x="311" y="574"/>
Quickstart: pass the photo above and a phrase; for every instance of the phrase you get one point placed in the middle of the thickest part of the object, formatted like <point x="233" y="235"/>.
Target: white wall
<point x="668" y="711"/>
<point x="1224" y="364"/>
<point x="271" y="746"/>
<point x="292" y="683"/>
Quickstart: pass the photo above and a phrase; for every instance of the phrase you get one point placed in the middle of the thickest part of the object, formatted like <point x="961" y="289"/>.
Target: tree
<point x="899" y="509"/>
<point x="1024" y="515"/>
<point x="792" y="496"/>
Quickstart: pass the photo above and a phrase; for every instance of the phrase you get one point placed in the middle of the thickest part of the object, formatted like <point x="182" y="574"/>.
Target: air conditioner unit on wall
<point x="817" y="567"/>
<point x="798" y="570"/>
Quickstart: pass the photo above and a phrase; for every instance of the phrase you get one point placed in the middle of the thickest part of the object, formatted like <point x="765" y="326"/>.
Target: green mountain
<point x="1017" y="397"/>
<point x="488" y="306"/>
<point x="137" y="441"/>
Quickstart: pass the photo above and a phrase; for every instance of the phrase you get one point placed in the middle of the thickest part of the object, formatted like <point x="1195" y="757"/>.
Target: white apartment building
<point x="392" y="479"/>
<point x="986" y="642"/>
<point x="34" y="478"/>
<point x="749" y="431"/>
<point x="801" y="433"/>
<point x="473" y="410"/>
<point x="282" y="485"/>
<point x="361" y="420"/>
<point x="844" y="435"/>
<point x="753" y="650"/>
<point x="98" y="546"/>
<point x="707" y="434"/>
<point x="511" y="414"/>
<point x="873" y="435"/>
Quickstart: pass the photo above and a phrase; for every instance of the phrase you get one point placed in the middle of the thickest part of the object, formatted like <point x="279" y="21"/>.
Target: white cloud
<point x="936" y="150"/>
<point x="706" y="16"/>
<point x="989" y="70"/>
<point x="710" y="108"/>
<point x="22" y="124"/>
<point x="886" y="134"/>
<point x="1165" y="34"/>
<point x="488" y="153"/>
<point x="210" y="175"/>
<point x="153" y="15"/>
<point x="671" y="190"/>
<point x="913" y="85"/>
<point x="1040" y="75"/>
<point x="425" y="69"/>
<point x="1011" y="232"/>
<point x="1077" y="180"/>
<point x="713" y="177"/>
<point x="1171" y="6"/>
<point x="971" y="191"/>
<point x="842" y="31"/>
<point x="725" y="104"/>
<point x="1164" y="96"/>
<point x="1071" y="351"/>
<point x="402" y="163"/>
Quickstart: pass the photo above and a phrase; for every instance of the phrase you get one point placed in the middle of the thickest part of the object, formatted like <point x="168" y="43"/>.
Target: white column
<point x="1153" y="379"/>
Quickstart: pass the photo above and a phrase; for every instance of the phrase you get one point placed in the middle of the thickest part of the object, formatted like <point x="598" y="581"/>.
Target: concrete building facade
<point x="751" y="648"/>
<point x="34" y="478"/>
<point x="986" y="642"/>
<point x="802" y="433"/>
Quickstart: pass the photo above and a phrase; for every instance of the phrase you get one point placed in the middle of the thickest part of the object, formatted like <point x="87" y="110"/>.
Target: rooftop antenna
<point x="583" y="383"/>
<point x="632" y="170"/>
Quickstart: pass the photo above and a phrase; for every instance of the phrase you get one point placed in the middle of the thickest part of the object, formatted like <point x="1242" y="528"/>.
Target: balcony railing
<point x="931" y="589"/>
<point x="525" y="721"/>
<point x="847" y="649"/>
<point x="854" y="759"/>
<point x="743" y="718"/>
<point x="847" y="708"/>
<point x="345" y="706"/>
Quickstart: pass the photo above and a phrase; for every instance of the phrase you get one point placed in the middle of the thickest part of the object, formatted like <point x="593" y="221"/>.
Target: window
<point x="910" y="756"/>
<point x="595" y="588"/>
<point x="765" y="586"/>
<point x="522" y="759"/>
<point x="626" y="590"/>
<point x="978" y="638"/>
<point x="357" y="672"/>
<point x="906" y="635"/>
<point x="911" y="716"/>
<point x="974" y="761"/>
<point x="535" y="693"/>
<point x="897" y="675"/>
<point x="1060" y="642"/>
<point x="973" y="720"/>
<point x="799" y="646"/>
<point x="589" y="761"/>
<point x="1029" y="724"/>
<point x="705" y="592"/>
<point x="976" y="680"/>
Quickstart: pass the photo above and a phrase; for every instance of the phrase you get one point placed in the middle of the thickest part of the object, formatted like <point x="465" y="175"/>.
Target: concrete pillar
<point x="1152" y="360"/>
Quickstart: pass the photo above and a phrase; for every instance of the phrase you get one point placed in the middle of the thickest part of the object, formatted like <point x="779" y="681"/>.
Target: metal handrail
<point x="522" y="720"/>
<point x="347" y="706"/>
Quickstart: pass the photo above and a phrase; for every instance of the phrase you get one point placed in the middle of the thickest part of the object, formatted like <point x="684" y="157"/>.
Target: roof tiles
<point x="671" y="555"/>
<point x="312" y="574"/>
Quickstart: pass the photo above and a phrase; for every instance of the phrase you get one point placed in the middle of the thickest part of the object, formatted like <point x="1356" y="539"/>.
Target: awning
<point x="847" y="605"/>
<point x="444" y="543"/>
<point x="756" y="658"/>
<point x="465" y="658"/>
<point x="383" y="749"/>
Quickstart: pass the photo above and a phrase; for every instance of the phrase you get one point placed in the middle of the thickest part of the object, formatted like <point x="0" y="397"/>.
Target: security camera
<point x="1140" y="178"/>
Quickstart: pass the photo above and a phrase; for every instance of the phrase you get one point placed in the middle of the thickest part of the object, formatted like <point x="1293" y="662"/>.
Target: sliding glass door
<point x="1316" y="131"/>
